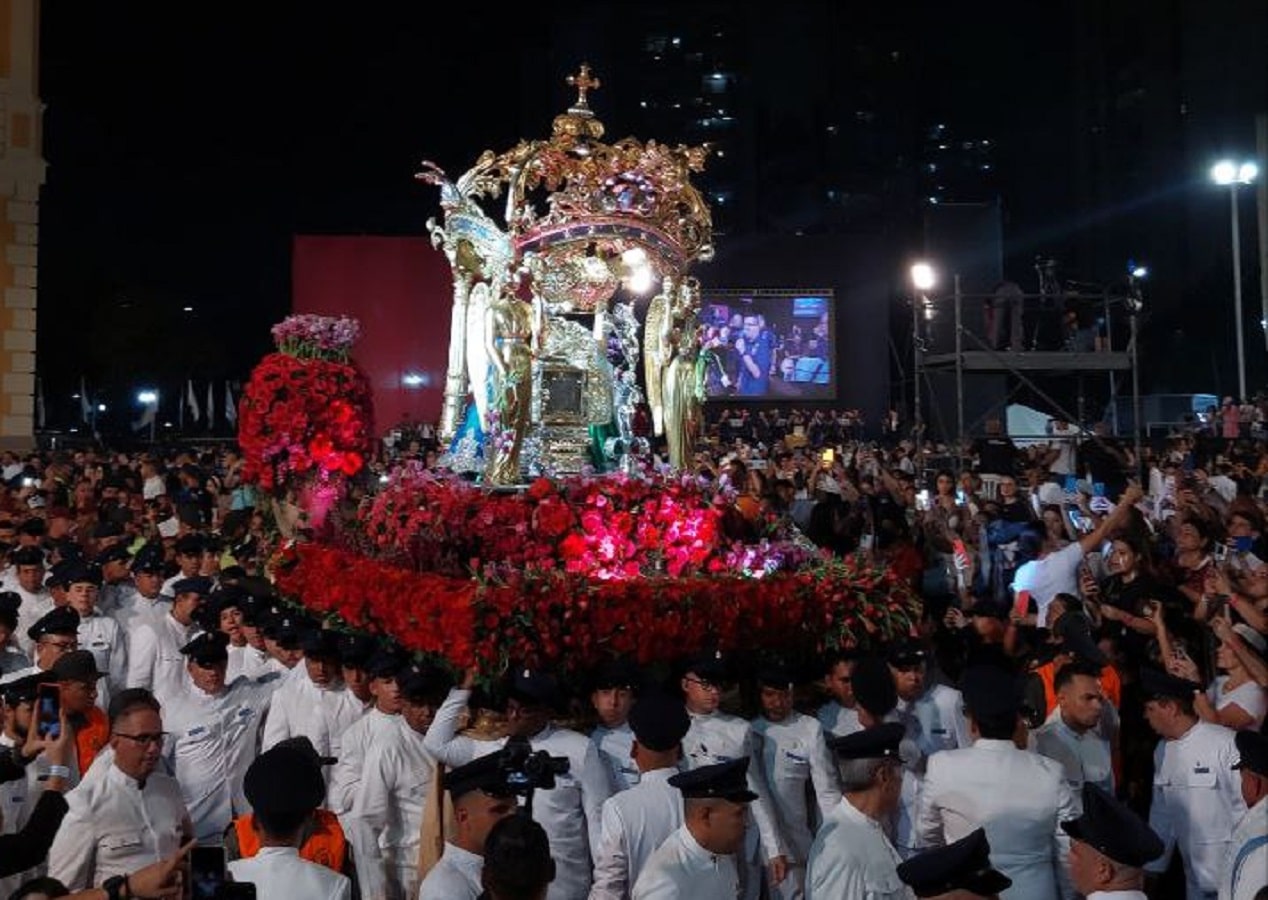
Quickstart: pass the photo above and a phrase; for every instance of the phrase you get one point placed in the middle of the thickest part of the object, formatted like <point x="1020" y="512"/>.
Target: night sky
<point x="186" y="148"/>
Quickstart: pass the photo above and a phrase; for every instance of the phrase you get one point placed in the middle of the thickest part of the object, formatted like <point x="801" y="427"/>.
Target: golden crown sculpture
<point x="575" y="213"/>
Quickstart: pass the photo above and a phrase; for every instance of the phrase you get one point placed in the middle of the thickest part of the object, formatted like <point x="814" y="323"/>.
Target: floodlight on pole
<point x="148" y="397"/>
<point x="1230" y="174"/>
<point x="923" y="276"/>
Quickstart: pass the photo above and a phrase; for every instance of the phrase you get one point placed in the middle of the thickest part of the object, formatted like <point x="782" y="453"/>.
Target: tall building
<point x="21" y="175"/>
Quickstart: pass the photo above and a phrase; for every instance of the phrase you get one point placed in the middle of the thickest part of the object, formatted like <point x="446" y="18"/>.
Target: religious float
<point x="550" y="537"/>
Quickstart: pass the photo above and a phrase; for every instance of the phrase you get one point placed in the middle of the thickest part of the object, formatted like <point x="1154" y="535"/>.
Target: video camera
<point x="524" y="769"/>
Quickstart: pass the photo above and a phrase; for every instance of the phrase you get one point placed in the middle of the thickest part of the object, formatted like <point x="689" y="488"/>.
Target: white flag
<point x="192" y="402"/>
<point x="85" y="408"/>
<point x="231" y="410"/>
<point x="147" y="416"/>
<point x="211" y="408"/>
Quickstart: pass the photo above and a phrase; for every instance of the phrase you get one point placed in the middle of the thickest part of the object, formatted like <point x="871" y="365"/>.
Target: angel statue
<point x="680" y="388"/>
<point x="657" y="354"/>
<point x="508" y="335"/>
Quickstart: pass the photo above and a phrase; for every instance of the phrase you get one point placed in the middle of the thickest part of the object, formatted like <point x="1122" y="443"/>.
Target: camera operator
<point x="481" y="799"/>
<point x="568" y="802"/>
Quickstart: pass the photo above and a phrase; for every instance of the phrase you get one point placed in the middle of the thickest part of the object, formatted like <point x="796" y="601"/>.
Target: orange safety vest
<point x="91" y="737"/>
<point x="1110" y="683"/>
<point x="326" y="845"/>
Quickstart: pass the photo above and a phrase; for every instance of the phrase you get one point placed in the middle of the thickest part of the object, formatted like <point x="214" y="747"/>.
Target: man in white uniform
<point x="1109" y="848"/>
<point x="852" y="856"/>
<point x="213" y="730"/>
<point x="612" y="695"/>
<point x="794" y="765"/>
<point x="569" y="812"/>
<point x="839" y="716"/>
<point x="697" y="861"/>
<point x="154" y="654"/>
<point x="397" y="779"/>
<point x="313" y="701"/>
<point x="53" y="635"/>
<point x="28" y="583"/>
<point x="961" y="869"/>
<point x="481" y="798"/>
<point x="1019" y="797"/>
<point x="380" y="721"/>
<point x="117" y="585"/>
<point x="933" y="714"/>
<point x="143" y="599"/>
<point x="717" y="737"/>
<point x="131" y="815"/>
<point x="637" y="821"/>
<point x="1070" y="735"/>
<point x="1197" y="798"/>
<point x="284" y="787"/>
<point x="1245" y="870"/>
<point x="100" y="635"/>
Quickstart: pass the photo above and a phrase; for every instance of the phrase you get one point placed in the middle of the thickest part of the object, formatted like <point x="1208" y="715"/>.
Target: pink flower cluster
<point x="311" y="335"/>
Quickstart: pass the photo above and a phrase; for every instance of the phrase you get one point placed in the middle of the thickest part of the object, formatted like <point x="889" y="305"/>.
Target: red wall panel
<point x="400" y="290"/>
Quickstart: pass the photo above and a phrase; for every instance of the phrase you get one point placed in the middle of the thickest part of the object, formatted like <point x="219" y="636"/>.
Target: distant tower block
<point x="22" y="168"/>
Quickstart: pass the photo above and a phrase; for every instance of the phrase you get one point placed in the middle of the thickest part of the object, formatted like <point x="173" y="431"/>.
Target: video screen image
<point x="769" y="347"/>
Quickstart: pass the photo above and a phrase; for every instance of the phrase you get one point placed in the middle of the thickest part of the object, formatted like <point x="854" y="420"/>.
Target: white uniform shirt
<point x="389" y="801"/>
<point x="1019" y="797"/>
<point x="300" y="707"/>
<point x="154" y="657"/>
<point x="211" y="742"/>
<point x="256" y="663"/>
<point x="104" y="639"/>
<point x="838" y="720"/>
<point x="279" y="873"/>
<point x="852" y="858"/>
<point x="1197" y="802"/>
<point x="681" y="869"/>
<point x="17" y="801"/>
<point x="132" y="610"/>
<point x="33" y="608"/>
<point x="717" y="738"/>
<point x="114" y="827"/>
<point x="1245" y="870"/>
<point x="573" y="838"/>
<point x="934" y="720"/>
<point x="614" y="746"/>
<point x="790" y="753"/>
<point x="1086" y="757"/>
<point x="354" y="746"/>
<point x="634" y="824"/>
<point x="456" y="876"/>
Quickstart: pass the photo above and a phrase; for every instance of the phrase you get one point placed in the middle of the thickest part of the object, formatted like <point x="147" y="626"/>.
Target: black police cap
<point x="874" y="687"/>
<point x="907" y="652"/>
<point x="320" y="643"/>
<point x="964" y="865"/>
<point x="659" y="722"/>
<point x="59" y="620"/>
<point x="722" y="781"/>
<point x="991" y="692"/>
<point x="878" y="742"/>
<point x="774" y="675"/>
<point x="1156" y="683"/>
<point x="484" y="773"/>
<point x="356" y="648"/>
<point x="207" y="648"/>
<point x="616" y="673"/>
<point x="534" y="687"/>
<point x="284" y="779"/>
<point x="24" y="689"/>
<point x="385" y="662"/>
<point x="1111" y="828"/>
<point x="1253" y="749"/>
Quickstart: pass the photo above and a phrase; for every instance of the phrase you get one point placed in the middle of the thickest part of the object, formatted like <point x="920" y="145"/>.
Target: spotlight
<point x="923" y="276"/>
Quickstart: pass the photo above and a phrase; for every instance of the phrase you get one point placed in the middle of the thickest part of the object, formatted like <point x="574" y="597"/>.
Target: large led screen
<point x="769" y="345"/>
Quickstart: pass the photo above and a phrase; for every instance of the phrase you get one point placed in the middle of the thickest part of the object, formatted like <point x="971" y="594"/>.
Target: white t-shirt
<point x="1056" y="573"/>
<point x="1063" y="436"/>
<point x="1249" y="696"/>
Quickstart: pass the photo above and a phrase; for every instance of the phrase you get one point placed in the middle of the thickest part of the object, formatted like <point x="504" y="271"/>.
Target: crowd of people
<point x="1080" y="710"/>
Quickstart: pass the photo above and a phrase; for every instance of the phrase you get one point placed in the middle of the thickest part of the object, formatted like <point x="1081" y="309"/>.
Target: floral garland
<point x="605" y="528"/>
<point x="306" y="414"/>
<point x="570" y="622"/>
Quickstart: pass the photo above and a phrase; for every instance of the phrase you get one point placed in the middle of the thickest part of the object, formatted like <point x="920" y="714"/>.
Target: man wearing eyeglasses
<point x="131" y="815"/>
<point x="717" y="737"/>
<point x="51" y="638"/>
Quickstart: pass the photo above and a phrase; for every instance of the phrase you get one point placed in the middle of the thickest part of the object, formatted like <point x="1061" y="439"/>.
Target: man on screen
<point x="754" y="357"/>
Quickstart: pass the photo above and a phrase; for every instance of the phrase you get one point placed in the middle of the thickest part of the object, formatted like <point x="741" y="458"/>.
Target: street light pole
<point x="1237" y="293"/>
<point x="1231" y="175"/>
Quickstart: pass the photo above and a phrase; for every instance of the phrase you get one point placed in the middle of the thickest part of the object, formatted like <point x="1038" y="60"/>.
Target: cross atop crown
<point x="584" y="83"/>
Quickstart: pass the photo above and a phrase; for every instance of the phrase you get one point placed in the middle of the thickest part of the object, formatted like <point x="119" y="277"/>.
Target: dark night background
<point x="187" y="145"/>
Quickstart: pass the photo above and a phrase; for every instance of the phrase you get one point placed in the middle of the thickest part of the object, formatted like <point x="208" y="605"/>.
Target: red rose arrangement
<point x="306" y="415"/>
